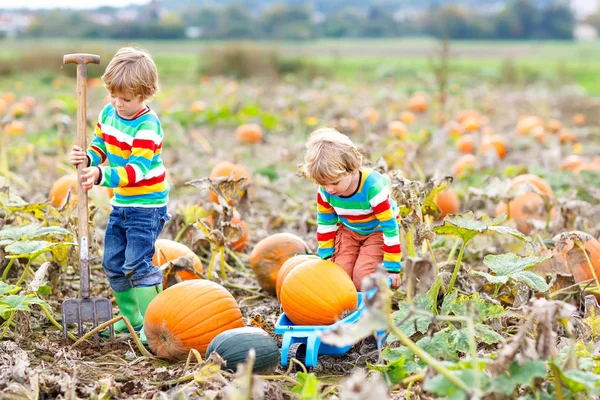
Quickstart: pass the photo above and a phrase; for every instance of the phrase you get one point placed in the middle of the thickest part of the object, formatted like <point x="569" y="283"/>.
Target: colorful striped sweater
<point x="370" y="209"/>
<point x="133" y="149"/>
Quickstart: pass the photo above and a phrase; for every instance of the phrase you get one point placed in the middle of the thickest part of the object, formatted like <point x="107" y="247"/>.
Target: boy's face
<point x="126" y="105"/>
<point x="339" y="187"/>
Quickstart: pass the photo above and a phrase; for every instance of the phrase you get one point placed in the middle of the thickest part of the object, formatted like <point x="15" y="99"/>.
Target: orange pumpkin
<point x="269" y="254"/>
<point x="398" y="128"/>
<point x="554" y="125"/>
<point x="249" y="133"/>
<point x="465" y="144"/>
<point x="372" y="115"/>
<point x="526" y="205"/>
<point x="60" y="188"/>
<point x="317" y="292"/>
<point x="188" y="316"/>
<point x="166" y="250"/>
<point x="407" y="117"/>
<point x="577" y="262"/>
<point x="287" y="266"/>
<point x="463" y="164"/>
<point x="579" y="119"/>
<point x="236" y="220"/>
<point x="448" y="202"/>
<point x="418" y="103"/>
<point x="225" y="168"/>
<point x="495" y="143"/>
<point x="468" y="113"/>
<point x="472" y="123"/>
<point x="572" y="163"/>
<point x="567" y="136"/>
<point x="527" y="123"/>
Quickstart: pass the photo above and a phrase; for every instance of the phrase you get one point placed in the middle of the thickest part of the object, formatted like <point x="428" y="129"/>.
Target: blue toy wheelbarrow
<point x="303" y="343"/>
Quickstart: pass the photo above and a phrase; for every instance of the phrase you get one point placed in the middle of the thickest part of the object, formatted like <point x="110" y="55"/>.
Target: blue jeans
<point x="129" y="247"/>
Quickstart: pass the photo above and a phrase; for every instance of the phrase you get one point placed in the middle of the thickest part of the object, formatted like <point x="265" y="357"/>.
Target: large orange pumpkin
<point x="168" y="250"/>
<point x="269" y="254"/>
<point x="60" y="188"/>
<point x="525" y="206"/>
<point x="225" y="168"/>
<point x="188" y="316"/>
<point x="287" y="266"/>
<point x="317" y="292"/>
<point x="236" y="220"/>
<point x="249" y="133"/>
<point x="577" y="262"/>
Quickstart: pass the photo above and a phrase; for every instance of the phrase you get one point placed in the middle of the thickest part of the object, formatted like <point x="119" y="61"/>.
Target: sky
<point x="78" y="4"/>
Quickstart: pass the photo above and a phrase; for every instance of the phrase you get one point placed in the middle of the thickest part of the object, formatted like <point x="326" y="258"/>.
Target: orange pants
<point x="358" y="254"/>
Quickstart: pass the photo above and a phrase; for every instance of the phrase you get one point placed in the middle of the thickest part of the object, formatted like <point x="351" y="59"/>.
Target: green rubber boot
<point x="129" y="306"/>
<point x="145" y="296"/>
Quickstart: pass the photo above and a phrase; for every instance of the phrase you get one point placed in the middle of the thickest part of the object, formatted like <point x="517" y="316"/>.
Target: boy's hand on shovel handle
<point x="78" y="156"/>
<point x="89" y="177"/>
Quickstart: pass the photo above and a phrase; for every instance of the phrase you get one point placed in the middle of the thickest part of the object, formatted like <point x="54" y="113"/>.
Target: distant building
<point x="585" y="32"/>
<point x="12" y="24"/>
<point x="584" y="8"/>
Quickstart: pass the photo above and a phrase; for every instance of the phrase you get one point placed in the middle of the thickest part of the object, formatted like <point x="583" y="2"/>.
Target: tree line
<point x="518" y="20"/>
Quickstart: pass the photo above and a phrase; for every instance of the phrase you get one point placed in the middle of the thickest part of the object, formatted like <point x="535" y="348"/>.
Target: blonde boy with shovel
<point x="129" y="136"/>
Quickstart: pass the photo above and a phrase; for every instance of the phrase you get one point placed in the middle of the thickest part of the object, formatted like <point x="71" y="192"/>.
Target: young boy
<point x="357" y="224"/>
<point x="129" y="136"/>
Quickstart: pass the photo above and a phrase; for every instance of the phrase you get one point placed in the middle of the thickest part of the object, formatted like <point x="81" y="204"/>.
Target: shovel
<point x="85" y="310"/>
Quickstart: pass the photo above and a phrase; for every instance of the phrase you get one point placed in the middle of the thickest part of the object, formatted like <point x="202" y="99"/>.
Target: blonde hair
<point x="132" y="72"/>
<point x="330" y="155"/>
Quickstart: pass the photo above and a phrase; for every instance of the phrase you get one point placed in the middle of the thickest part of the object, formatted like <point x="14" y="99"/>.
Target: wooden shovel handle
<point x="82" y="202"/>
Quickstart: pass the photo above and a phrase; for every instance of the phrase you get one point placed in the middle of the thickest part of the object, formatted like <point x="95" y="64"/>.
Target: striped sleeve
<point x="147" y="142"/>
<point x="96" y="151"/>
<point x="379" y="198"/>
<point x="327" y="220"/>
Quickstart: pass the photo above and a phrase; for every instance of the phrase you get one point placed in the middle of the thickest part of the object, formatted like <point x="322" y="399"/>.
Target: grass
<point x="359" y="58"/>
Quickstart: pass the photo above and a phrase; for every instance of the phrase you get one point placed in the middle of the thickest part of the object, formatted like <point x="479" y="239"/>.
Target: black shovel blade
<point x="92" y="311"/>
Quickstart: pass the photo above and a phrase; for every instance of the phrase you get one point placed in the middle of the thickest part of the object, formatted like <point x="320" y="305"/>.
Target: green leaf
<point x="448" y="302"/>
<point x="459" y="340"/>
<point x="250" y="110"/>
<point x="466" y="226"/>
<point x="532" y="280"/>
<point x="509" y="263"/>
<point x="8" y="289"/>
<point x="439" y="346"/>
<point x="486" y="334"/>
<point x="519" y="375"/>
<point x="477" y="307"/>
<point x="269" y="121"/>
<point x="18" y="232"/>
<point x="12" y="303"/>
<point x="391" y="354"/>
<point x="415" y="323"/>
<point x="492" y="278"/>
<point x="308" y="386"/>
<point x="44" y="290"/>
<point x="30" y="249"/>
<point x="39" y="210"/>
<point x="580" y="381"/>
<point x="394" y="371"/>
<point x="443" y="387"/>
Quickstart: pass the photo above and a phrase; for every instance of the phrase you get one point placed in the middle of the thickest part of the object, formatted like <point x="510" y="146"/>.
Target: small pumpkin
<point x="60" y="188"/>
<point x="576" y="260"/>
<point x="224" y="169"/>
<point x="287" y="266"/>
<point x="188" y="316"/>
<point x="463" y="164"/>
<point x="418" y="103"/>
<point x="249" y="133"/>
<point x="269" y="254"/>
<point x="398" y="128"/>
<point x="233" y="346"/>
<point x="526" y="205"/>
<point x="317" y="292"/>
<point x="448" y="202"/>
<point x="166" y="250"/>
<point x="494" y="143"/>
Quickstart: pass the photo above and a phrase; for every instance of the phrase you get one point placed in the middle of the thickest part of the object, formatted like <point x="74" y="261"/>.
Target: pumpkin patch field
<point x="498" y="188"/>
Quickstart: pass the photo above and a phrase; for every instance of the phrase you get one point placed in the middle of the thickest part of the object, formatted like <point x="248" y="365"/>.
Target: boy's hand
<point x="89" y="177"/>
<point x="395" y="279"/>
<point x="78" y="156"/>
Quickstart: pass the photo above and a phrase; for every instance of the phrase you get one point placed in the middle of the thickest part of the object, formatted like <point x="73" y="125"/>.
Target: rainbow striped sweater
<point x="133" y="149"/>
<point x="370" y="209"/>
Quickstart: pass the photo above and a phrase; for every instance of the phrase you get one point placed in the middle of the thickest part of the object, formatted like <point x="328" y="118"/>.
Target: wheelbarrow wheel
<point x="297" y="351"/>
